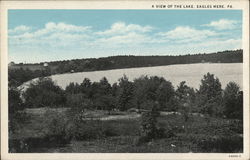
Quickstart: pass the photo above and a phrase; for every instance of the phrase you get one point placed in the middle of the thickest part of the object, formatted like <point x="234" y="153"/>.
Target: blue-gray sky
<point x="49" y="35"/>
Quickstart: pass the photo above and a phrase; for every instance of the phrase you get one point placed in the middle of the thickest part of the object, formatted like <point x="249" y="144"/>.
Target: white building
<point x="45" y="64"/>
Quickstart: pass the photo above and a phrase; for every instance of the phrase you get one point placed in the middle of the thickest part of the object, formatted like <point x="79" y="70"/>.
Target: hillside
<point x="117" y="62"/>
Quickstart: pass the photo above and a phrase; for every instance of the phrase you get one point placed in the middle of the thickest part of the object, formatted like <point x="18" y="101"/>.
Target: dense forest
<point x="20" y="73"/>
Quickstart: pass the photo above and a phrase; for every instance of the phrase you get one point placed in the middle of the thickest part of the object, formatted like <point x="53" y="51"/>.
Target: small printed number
<point x="234" y="155"/>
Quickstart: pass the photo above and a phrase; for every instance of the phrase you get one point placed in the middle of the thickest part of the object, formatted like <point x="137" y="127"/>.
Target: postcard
<point x="124" y="80"/>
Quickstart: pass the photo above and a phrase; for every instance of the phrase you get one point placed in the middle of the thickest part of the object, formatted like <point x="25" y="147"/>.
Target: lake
<point x="191" y="73"/>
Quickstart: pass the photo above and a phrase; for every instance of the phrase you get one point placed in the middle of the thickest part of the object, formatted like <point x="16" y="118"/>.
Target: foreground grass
<point x="197" y="134"/>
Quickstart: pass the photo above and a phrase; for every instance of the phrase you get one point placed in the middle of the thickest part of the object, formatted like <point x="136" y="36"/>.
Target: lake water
<point x="191" y="73"/>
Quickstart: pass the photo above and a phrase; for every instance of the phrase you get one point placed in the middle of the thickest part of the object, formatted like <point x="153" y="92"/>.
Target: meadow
<point x="198" y="135"/>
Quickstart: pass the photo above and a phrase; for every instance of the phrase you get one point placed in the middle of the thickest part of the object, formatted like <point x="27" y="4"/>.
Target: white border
<point x="5" y="5"/>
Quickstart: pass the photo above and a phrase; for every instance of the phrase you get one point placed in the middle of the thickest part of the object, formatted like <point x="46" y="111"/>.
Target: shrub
<point x="148" y="125"/>
<point x="44" y="93"/>
<point x="57" y="126"/>
<point x="149" y="128"/>
<point x="82" y="129"/>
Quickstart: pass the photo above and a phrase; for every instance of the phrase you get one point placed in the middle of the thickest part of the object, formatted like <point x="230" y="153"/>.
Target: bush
<point x="90" y="129"/>
<point x="57" y="126"/>
<point x="149" y="128"/>
<point x="148" y="125"/>
<point x="44" y="93"/>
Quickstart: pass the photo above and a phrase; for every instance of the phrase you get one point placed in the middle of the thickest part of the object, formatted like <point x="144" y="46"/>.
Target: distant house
<point x="45" y="65"/>
<point x="11" y="64"/>
<point x="72" y="71"/>
<point x="203" y="61"/>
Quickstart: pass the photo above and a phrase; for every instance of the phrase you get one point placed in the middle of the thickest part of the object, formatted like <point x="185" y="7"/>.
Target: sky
<point x="50" y="35"/>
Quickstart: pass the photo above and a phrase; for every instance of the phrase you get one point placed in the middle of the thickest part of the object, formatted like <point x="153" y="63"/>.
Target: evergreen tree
<point x="125" y="94"/>
<point x="86" y="87"/>
<point x="165" y="95"/>
<point x="210" y="86"/>
<point x="209" y="97"/>
<point x="233" y="101"/>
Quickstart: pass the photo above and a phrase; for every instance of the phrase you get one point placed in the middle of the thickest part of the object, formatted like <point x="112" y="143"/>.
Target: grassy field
<point x="198" y="134"/>
<point x="191" y="73"/>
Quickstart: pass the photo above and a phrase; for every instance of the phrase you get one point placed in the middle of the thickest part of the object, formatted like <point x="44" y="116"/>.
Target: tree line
<point x="144" y="93"/>
<point x="115" y="62"/>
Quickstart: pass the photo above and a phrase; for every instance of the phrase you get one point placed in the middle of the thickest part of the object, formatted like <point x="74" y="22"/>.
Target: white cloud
<point x="183" y="34"/>
<point x="63" y="39"/>
<point x="123" y="28"/>
<point x="52" y="27"/>
<point x="65" y="27"/>
<point x="56" y="34"/>
<point x="61" y="34"/>
<point x="131" y="39"/>
<point x="19" y="29"/>
<point x="222" y="24"/>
